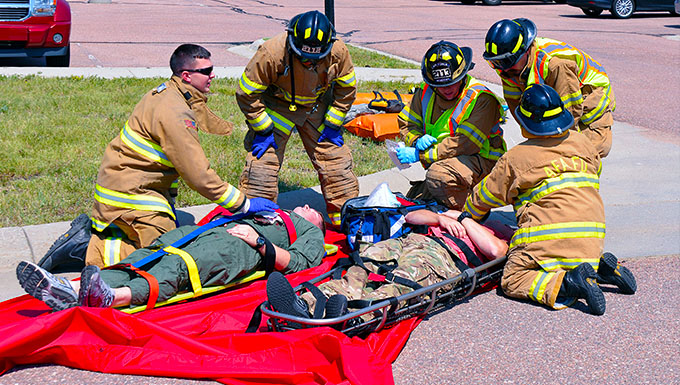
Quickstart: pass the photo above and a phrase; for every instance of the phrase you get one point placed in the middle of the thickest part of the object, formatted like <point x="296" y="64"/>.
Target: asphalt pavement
<point x="487" y="338"/>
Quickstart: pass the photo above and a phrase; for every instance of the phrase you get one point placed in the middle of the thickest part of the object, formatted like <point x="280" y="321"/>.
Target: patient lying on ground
<point x="402" y="264"/>
<point x="216" y="257"/>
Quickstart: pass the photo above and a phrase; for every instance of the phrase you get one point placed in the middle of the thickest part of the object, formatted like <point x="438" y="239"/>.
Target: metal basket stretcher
<point x="389" y="311"/>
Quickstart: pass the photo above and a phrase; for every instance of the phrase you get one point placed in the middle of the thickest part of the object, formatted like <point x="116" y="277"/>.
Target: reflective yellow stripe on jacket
<point x="334" y="117"/>
<point x="562" y="181"/>
<point x="229" y="198"/>
<point x="457" y="123"/>
<point x="144" y="147"/>
<point x="557" y="231"/>
<point x="131" y="201"/>
<point x="411" y="117"/>
<point x="486" y="197"/>
<point x="589" y="72"/>
<point x="269" y="118"/>
<point x="349" y="80"/>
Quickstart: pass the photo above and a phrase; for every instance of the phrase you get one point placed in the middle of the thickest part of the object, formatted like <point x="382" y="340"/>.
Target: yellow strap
<point x="194" y="278"/>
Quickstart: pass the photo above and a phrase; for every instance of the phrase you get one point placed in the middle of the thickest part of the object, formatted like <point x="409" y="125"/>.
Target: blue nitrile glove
<point x="333" y="135"/>
<point x="261" y="204"/>
<point x="425" y="141"/>
<point x="261" y="143"/>
<point x="407" y="155"/>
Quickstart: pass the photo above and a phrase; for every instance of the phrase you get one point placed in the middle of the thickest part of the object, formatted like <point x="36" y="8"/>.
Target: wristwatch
<point x="259" y="242"/>
<point x="464" y="215"/>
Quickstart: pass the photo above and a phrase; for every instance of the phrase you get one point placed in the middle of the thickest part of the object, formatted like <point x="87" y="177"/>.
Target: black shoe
<point x="70" y="248"/>
<point x="336" y="306"/>
<point x="581" y="283"/>
<point x="55" y="291"/>
<point x="282" y="297"/>
<point x="94" y="292"/>
<point x="611" y="272"/>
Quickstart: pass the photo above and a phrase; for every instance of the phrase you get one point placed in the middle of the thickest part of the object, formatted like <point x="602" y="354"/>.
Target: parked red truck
<point x="36" y="28"/>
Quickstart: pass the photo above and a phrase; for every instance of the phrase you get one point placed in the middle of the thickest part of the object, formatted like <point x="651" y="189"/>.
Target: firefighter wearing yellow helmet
<point x="451" y="126"/>
<point x="301" y="79"/>
<point x="521" y="59"/>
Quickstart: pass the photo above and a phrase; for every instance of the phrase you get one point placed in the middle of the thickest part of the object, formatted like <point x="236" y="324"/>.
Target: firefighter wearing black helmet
<point x="552" y="180"/>
<point x="301" y="79"/>
<point x="451" y="126"/>
<point x="521" y="59"/>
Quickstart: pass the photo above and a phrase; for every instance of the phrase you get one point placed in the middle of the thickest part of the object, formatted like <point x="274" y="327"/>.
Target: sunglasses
<point x="205" y="71"/>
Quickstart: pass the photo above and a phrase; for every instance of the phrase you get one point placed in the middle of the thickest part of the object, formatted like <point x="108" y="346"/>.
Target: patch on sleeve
<point x="161" y="88"/>
<point x="190" y="123"/>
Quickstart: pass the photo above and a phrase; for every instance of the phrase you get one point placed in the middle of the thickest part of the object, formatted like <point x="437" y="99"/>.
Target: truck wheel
<point x="592" y="12"/>
<point x="491" y="2"/>
<point x="59" y="61"/>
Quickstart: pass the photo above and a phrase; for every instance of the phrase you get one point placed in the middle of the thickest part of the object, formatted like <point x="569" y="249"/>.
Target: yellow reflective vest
<point x="468" y="125"/>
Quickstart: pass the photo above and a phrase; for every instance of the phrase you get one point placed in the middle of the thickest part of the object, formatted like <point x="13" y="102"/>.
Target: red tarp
<point x="199" y="339"/>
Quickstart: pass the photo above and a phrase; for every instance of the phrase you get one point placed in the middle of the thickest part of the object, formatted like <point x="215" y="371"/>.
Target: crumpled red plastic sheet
<point x="199" y="339"/>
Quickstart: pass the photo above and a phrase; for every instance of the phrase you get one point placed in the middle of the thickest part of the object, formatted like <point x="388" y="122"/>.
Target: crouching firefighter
<point x="301" y="79"/>
<point x="189" y="258"/>
<point x="552" y="180"/>
<point x="138" y="177"/>
<point x="452" y="126"/>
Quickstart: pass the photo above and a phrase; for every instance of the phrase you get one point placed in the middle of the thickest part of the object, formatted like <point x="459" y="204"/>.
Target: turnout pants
<point x="451" y="180"/>
<point x="333" y="165"/>
<point x="527" y="277"/>
<point x="131" y="231"/>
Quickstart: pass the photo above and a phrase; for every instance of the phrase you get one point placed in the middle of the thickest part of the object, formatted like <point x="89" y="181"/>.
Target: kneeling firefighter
<point x="452" y="126"/>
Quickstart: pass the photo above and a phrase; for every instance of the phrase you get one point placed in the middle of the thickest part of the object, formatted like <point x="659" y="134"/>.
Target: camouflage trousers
<point x="419" y="259"/>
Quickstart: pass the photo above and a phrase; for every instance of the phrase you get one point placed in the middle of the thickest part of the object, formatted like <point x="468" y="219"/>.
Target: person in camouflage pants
<point x="420" y="259"/>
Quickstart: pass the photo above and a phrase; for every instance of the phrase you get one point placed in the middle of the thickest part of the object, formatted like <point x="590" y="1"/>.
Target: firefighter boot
<point x="611" y="272"/>
<point x="67" y="253"/>
<point x="581" y="283"/>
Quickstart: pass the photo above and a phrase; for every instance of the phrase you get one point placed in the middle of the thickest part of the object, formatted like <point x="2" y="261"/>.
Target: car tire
<point x="491" y="2"/>
<point x="59" y="61"/>
<point x="592" y="12"/>
<point x="623" y="9"/>
<point x="468" y="2"/>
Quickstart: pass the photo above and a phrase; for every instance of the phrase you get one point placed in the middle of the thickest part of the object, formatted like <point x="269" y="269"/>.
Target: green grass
<point x="365" y="58"/>
<point x="53" y="132"/>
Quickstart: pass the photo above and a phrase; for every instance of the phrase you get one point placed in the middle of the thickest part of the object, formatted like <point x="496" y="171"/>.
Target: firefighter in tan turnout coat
<point x="137" y="179"/>
<point x="522" y="59"/>
<point x="451" y="126"/>
<point x="552" y="180"/>
<point x="301" y="79"/>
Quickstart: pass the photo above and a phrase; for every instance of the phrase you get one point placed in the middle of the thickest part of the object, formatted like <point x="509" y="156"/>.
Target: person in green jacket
<point x="220" y="255"/>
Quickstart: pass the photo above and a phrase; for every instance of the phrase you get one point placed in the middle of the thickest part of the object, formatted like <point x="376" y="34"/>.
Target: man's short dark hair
<point x="184" y="56"/>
